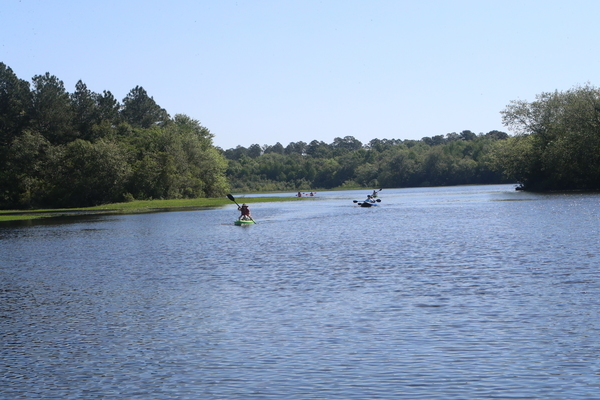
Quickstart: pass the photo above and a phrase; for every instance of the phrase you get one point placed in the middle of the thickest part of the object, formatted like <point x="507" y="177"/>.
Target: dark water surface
<point x="439" y="293"/>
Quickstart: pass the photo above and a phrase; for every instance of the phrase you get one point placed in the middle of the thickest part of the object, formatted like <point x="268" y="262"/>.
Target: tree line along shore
<point x="86" y="149"/>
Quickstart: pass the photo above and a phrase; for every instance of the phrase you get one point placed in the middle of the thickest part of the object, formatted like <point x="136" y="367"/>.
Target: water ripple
<point x="449" y="293"/>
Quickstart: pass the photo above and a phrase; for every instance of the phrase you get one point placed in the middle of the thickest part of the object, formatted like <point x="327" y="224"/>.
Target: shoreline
<point x="133" y="207"/>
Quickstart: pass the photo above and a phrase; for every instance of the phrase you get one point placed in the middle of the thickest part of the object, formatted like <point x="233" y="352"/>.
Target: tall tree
<point x="254" y="150"/>
<point x="468" y="135"/>
<point x="85" y="110"/>
<point x="295" y="147"/>
<point x="51" y="111"/>
<point x="318" y="149"/>
<point x="140" y="110"/>
<point x="108" y="107"/>
<point x="276" y="148"/>
<point x="15" y="103"/>
<point x="347" y="143"/>
<point x="107" y="119"/>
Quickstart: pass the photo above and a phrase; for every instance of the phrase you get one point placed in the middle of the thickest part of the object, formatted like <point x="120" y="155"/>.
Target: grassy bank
<point x="133" y="207"/>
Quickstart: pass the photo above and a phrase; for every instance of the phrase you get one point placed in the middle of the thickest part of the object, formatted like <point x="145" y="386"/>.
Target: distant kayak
<point x="241" y="222"/>
<point x="368" y="203"/>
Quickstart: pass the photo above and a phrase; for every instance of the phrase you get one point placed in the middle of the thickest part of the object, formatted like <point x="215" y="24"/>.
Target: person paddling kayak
<point x="245" y="213"/>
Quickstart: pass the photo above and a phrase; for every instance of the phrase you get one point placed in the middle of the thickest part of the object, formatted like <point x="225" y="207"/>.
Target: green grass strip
<point x="137" y="206"/>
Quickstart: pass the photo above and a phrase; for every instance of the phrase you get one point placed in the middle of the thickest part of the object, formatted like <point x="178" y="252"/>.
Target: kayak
<point x="367" y="204"/>
<point x="242" y="222"/>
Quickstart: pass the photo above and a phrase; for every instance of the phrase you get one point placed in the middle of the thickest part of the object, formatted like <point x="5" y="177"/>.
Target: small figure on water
<point x="245" y="213"/>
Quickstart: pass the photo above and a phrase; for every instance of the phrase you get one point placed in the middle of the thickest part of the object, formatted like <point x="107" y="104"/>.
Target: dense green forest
<point x="557" y="146"/>
<point x="451" y="159"/>
<point x="60" y="149"/>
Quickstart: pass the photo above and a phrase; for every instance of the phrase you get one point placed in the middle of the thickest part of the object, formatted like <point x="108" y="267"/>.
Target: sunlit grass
<point x="136" y="206"/>
<point x="15" y="217"/>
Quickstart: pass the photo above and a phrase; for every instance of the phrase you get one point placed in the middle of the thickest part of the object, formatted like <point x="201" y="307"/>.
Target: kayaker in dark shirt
<point x="245" y="212"/>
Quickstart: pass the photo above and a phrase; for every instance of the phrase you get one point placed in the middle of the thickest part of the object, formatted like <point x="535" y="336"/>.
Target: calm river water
<point x="467" y="292"/>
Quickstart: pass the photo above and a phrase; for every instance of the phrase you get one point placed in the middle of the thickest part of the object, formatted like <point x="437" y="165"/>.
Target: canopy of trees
<point x="77" y="149"/>
<point x="83" y="148"/>
<point x="451" y="159"/>
<point x="557" y="146"/>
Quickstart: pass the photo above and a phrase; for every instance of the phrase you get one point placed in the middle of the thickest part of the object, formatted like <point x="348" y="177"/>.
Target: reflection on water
<point x="437" y="293"/>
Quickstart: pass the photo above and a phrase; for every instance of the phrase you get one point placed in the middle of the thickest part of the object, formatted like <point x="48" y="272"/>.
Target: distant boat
<point x="370" y="202"/>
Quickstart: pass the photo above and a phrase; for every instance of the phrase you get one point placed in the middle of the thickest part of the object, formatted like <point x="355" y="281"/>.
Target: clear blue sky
<point x="268" y="71"/>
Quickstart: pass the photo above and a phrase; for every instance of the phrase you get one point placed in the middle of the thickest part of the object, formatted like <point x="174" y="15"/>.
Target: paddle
<point x="377" y="200"/>
<point x="230" y="197"/>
